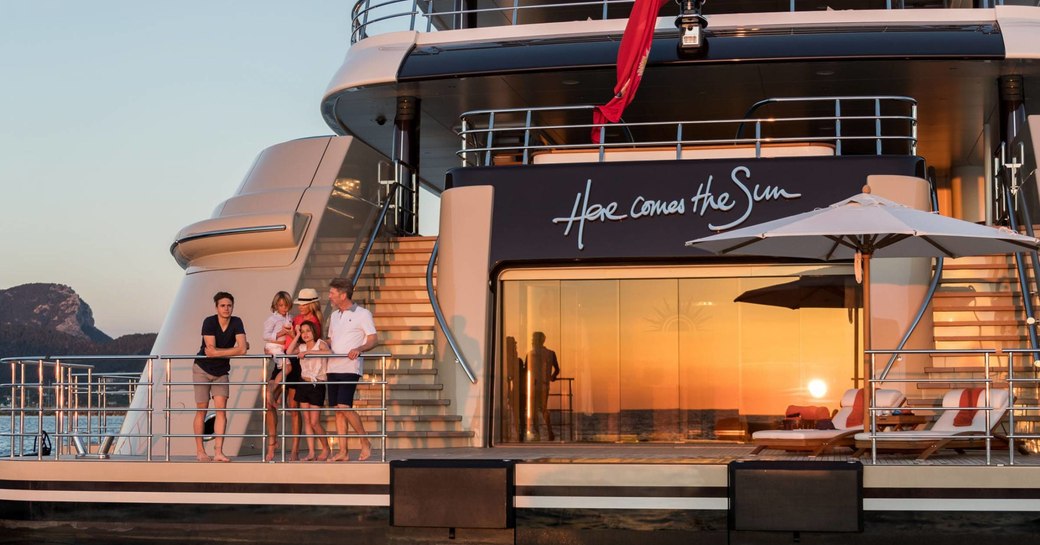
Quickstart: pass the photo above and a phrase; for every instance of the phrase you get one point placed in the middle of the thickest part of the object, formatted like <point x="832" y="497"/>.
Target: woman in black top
<point x="223" y="337"/>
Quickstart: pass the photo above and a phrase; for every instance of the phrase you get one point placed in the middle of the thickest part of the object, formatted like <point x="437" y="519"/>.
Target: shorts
<point x="312" y="394"/>
<point x="342" y="394"/>
<point x="212" y="387"/>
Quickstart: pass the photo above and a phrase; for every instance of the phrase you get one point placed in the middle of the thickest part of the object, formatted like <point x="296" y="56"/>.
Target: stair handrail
<point x="1020" y="268"/>
<point x="441" y="322"/>
<point x="933" y="285"/>
<point x="371" y="240"/>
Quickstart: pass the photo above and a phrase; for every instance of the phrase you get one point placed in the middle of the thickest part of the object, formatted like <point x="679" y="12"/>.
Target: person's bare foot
<point x="309" y="457"/>
<point x="203" y="457"/>
<point x="323" y="456"/>
<point x="366" y="451"/>
<point x="270" y="452"/>
<point x="341" y="457"/>
<point x="294" y="457"/>
<point x="219" y="457"/>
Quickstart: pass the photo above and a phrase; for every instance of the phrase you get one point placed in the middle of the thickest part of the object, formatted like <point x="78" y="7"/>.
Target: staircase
<point x="979" y="305"/>
<point x="393" y="287"/>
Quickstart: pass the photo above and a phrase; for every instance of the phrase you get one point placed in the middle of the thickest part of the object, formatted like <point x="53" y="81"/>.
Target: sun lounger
<point x="819" y="441"/>
<point x="944" y="433"/>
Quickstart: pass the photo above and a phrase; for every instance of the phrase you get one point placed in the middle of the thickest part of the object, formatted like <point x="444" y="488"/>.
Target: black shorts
<point x="342" y="394"/>
<point x="312" y="394"/>
<point x="295" y="375"/>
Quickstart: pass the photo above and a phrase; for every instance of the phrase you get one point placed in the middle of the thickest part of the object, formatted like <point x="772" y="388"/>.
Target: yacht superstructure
<point x="471" y="122"/>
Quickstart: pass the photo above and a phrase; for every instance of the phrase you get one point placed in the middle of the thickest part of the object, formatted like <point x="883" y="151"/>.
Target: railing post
<point x="877" y="125"/>
<point x="149" y="405"/>
<point x="382" y="454"/>
<point x="281" y="405"/>
<point x="1011" y="408"/>
<point x="837" y="126"/>
<point x="39" y="409"/>
<point x="989" y="405"/>
<point x="166" y="407"/>
<point x="59" y="413"/>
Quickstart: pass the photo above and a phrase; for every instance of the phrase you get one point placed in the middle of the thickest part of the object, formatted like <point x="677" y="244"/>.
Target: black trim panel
<point x="624" y="491"/>
<point x="223" y="488"/>
<point x="982" y="41"/>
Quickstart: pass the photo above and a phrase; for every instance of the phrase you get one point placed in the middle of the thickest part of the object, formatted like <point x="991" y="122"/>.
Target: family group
<point x="296" y="343"/>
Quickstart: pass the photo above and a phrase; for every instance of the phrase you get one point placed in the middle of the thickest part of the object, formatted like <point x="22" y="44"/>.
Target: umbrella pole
<point x="867" y="344"/>
<point x="855" y="348"/>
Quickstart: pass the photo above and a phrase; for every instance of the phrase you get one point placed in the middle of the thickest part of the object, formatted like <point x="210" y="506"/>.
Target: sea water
<point x="23" y="434"/>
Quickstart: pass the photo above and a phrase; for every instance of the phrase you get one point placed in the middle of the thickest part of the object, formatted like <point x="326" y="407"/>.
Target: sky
<point x="123" y="121"/>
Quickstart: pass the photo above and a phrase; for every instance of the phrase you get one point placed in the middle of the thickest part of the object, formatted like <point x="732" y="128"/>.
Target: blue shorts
<point x="342" y="394"/>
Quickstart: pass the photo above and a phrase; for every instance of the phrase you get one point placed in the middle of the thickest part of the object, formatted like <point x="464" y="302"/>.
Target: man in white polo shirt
<point x="351" y="332"/>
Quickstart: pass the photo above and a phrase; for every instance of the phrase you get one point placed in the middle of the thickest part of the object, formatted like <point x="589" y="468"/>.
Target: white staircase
<point x="393" y="287"/>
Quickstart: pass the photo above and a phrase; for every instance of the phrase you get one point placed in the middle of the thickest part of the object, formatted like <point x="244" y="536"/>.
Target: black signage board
<point x="639" y="211"/>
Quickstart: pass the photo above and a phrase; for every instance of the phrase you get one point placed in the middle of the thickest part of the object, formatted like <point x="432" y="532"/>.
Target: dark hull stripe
<point x="224" y="488"/>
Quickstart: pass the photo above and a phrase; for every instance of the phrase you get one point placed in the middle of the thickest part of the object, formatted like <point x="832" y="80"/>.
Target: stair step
<point x="364" y="402"/>
<point x="978" y="369"/>
<point x="402" y="301"/>
<point x="1001" y="279"/>
<point x="972" y="308"/>
<point x="953" y="384"/>
<point x="1019" y="338"/>
<point x="365" y="286"/>
<point x="406" y="314"/>
<point x="963" y="323"/>
<point x="399" y="327"/>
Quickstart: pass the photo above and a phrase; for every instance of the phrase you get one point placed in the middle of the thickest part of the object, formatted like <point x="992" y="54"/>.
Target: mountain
<point x="51" y="307"/>
<point x="52" y="319"/>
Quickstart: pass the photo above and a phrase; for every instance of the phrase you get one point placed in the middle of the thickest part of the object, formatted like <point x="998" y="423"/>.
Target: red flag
<point x="631" y="61"/>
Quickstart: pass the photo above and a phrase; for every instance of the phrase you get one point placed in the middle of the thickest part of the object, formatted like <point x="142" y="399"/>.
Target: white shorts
<point x="274" y="348"/>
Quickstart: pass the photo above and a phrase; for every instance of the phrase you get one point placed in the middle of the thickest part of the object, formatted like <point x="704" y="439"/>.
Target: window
<point x="662" y="354"/>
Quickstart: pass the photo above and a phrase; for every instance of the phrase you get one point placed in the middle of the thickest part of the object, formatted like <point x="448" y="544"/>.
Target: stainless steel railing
<point x="1027" y="386"/>
<point x="374" y="17"/>
<point x="70" y="397"/>
<point x="986" y="382"/>
<point x="857" y="125"/>
<point x="77" y="404"/>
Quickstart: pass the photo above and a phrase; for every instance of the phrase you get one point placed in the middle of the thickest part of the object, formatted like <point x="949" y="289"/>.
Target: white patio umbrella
<point x="865" y="226"/>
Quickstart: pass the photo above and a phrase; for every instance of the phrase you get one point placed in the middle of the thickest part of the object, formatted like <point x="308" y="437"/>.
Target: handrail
<point x="1023" y="280"/>
<point x="376" y="227"/>
<point x="482" y="131"/>
<point x="439" y="315"/>
<point x="987" y="381"/>
<point x="229" y="231"/>
<point x="67" y="390"/>
<point x="420" y="15"/>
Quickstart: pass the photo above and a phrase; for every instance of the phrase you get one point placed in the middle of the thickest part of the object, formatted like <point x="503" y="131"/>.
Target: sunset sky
<point x="124" y="121"/>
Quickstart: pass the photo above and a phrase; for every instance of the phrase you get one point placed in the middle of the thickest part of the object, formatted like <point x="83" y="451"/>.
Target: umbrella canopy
<point x="830" y="291"/>
<point x="866" y="225"/>
<point x="869" y="225"/>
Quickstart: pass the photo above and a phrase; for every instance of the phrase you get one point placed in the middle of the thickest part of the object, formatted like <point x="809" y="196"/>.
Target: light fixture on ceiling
<point x="691" y="25"/>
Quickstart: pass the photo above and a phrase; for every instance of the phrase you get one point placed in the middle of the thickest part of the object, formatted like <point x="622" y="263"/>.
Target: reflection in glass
<point x="673" y="359"/>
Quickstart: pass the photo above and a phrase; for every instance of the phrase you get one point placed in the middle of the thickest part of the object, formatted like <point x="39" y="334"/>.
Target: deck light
<point x="691" y="25"/>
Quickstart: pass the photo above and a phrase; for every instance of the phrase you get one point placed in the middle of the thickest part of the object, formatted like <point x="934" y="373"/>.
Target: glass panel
<point x="649" y="320"/>
<point x="589" y="356"/>
<point x="673" y="359"/>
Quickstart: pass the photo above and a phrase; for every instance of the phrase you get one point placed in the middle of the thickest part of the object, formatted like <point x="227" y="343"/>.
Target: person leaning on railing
<point x="351" y="332"/>
<point x="223" y="337"/>
<point x="311" y="396"/>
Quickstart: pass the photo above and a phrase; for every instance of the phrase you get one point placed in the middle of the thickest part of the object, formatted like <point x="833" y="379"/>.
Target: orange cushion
<point x="969" y="398"/>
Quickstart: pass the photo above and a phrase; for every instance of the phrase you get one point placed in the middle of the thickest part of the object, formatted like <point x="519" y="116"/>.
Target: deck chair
<point x="819" y="441"/>
<point x="942" y="434"/>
